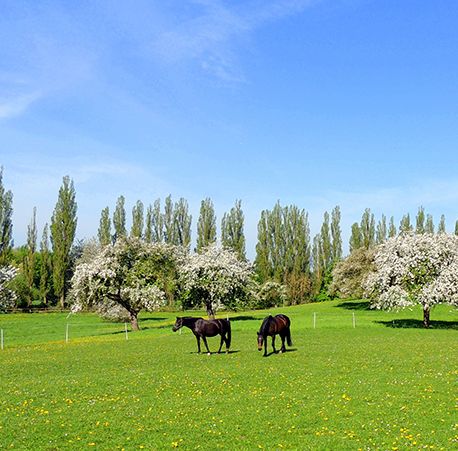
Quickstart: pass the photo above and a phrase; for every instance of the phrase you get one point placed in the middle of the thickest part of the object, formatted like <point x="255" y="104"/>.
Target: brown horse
<point x="271" y="326"/>
<point x="203" y="328"/>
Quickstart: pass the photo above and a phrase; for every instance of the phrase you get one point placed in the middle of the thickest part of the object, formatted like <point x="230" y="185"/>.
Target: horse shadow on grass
<point x="243" y="318"/>
<point x="359" y="305"/>
<point x="278" y="352"/>
<point x="418" y="324"/>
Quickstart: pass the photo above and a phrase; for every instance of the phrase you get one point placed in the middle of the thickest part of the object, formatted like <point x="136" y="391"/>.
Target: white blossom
<point x="7" y="296"/>
<point x="415" y="269"/>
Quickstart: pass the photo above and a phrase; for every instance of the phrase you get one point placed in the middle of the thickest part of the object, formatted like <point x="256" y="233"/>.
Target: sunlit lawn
<point x="373" y="386"/>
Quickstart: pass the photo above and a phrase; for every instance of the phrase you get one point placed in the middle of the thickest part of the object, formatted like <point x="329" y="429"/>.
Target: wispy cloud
<point x="17" y="105"/>
<point x="211" y="36"/>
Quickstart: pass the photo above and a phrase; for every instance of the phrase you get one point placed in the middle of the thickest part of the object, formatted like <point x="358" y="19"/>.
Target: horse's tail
<point x="288" y="337"/>
<point x="228" y="339"/>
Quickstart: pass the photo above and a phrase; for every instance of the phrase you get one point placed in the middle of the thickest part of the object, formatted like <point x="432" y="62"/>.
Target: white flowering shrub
<point x="271" y="294"/>
<point x="128" y="275"/>
<point x="7" y="296"/>
<point x="415" y="269"/>
<point x="215" y="278"/>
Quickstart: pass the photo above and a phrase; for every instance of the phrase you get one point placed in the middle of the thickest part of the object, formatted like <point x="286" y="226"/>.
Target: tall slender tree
<point x="206" y="226"/>
<point x="367" y="228"/>
<point x="429" y="227"/>
<point x="232" y="234"/>
<point x="382" y="232"/>
<point x="182" y="224"/>
<point x="149" y="224"/>
<point x="326" y="241"/>
<point x="336" y="235"/>
<point x="46" y="268"/>
<point x="392" y="231"/>
<point x="456" y="227"/>
<point x="157" y="223"/>
<point x="356" y="240"/>
<point x="136" y="230"/>
<point x="104" y="231"/>
<point x="406" y="225"/>
<point x="263" y="262"/>
<point x="169" y="221"/>
<point x="29" y="259"/>
<point x="441" y="226"/>
<point x="63" y="228"/>
<point x="420" y="221"/>
<point x="6" y="223"/>
<point x="119" y="219"/>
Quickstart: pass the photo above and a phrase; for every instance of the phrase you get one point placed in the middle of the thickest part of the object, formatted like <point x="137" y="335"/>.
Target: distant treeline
<point x="285" y="251"/>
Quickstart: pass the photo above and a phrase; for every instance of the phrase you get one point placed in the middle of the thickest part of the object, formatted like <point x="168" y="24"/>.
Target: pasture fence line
<point x="1" y="338"/>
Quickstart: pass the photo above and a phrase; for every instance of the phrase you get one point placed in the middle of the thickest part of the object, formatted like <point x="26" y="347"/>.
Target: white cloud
<point x="17" y="105"/>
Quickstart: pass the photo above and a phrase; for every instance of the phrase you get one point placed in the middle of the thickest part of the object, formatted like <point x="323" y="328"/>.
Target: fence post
<point x="125" y="328"/>
<point x="314" y="320"/>
<point x="66" y="334"/>
<point x="1" y="334"/>
<point x="354" y="320"/>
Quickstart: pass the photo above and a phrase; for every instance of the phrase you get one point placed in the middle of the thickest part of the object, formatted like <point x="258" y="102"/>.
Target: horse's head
<point x="260" y="341"/>
<point x="178" y="324"/>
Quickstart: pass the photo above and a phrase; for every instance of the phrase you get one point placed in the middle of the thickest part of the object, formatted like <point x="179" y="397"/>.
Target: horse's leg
<point x="283" y="349"/>
<point x="204" y="339"/>
<point x="221" y="343"/>
<point x="198" y="343"/>
<point x="265" y="347"/>
<point x="273" y="344"/>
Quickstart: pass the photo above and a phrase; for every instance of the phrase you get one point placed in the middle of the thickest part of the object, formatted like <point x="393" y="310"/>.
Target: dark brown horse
<point x="271" y="326"/>
<point x="203" y="328"/>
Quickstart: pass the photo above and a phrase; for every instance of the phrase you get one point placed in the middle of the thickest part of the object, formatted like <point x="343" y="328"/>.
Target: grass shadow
<point x="359" y="305"/>
<point x="244" y="318"/>
<point x="278" y="352"/>
<point x="418" y="324"/>
<point x="153" y="318"/>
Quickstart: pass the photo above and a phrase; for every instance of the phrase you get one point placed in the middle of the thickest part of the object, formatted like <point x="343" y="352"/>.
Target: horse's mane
<point x="265" y="325"/>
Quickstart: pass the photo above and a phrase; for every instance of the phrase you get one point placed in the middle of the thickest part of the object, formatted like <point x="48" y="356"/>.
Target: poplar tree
<point x="381" y="233"/>
<point x="46" y="268"/>
<point x="232" y="234"/>
<point x="355" y="237"/>
<point x="367" y="228"/>
<point x="420" y="221"/>
<point x="429" y="227"/>
<point x="326" y="241"/>
<point x="63" y="228"/>
<point x="157" y="223"/>
<point x="119" y="219"/>
<point x="104" y="231"/>
<point x="149" y="224"/>
<point x="6" y="224"/>
<point x="206" y="225"/>
<point x="441" y="226"/>
<point x="456" y="227"/>
<point x="392" y="228"/>
<point x="136" y="230"/>
<point x="336" y="235"/>
<point x="405" y="225"/>
<point x="182" y="221"/>
<point x="168" y="221"/>
<point x="29" y="259"/>
<point x="263" y="263"/>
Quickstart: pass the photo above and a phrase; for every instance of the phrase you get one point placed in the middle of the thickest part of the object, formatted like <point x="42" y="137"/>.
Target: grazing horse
<point x="203" y="328"/>
<point x="271" y="326"/>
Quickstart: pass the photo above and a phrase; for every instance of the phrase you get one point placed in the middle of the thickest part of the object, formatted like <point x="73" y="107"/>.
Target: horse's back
<point x="211" y="327"/>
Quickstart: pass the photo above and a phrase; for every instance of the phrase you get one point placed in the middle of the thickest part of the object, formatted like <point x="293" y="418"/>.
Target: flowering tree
<point x="216" y="277"/>
<point x="415" y="269"/>
<point x="127" y="274"/>
<point x="7" y="296"/>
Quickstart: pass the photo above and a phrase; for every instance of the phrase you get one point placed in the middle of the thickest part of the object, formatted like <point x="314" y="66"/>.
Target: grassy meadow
<point x="384" y="384"/>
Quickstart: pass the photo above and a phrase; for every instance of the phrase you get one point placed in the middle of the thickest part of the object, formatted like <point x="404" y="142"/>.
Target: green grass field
<point x="385" y="384"/>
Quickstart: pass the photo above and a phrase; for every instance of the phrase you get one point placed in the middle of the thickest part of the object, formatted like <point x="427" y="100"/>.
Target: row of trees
<point x="289" y="265"/>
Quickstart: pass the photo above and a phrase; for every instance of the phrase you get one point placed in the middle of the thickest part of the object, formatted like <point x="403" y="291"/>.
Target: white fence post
<point x="354" y="320"/>
<point x="125" y="328"/>
<point x="314" y="320"/>
<point x="1" y="339"/>
<point x="66" y="334"/>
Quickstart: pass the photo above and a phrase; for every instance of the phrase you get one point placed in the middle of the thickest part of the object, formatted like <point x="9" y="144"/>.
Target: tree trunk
<point x="134" y="320"/>
<point x="426" y="311"/>
<point x="62" y="301"/>
<point x="210" y="311"/>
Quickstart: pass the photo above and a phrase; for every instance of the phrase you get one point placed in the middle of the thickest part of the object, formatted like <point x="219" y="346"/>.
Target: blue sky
<point x="315" y="103"/>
